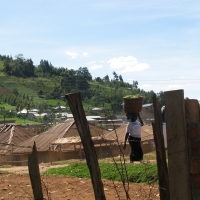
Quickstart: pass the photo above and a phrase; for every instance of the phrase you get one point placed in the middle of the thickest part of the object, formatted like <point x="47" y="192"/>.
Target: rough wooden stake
<point x="160" y="152"/>
<point x="177" y="145"/>
<point x="76" y="107"/>
<point x="34" y="174"/>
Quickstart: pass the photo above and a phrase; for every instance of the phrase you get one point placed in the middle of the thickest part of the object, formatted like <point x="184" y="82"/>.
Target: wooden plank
<point x="34" y="174"/>
<point x="178" y="161"/>
<point x="160" y="152"/>
<point x="193" y="133"/>
<point x="76" y="107"/>
<point x="192" y="110"/>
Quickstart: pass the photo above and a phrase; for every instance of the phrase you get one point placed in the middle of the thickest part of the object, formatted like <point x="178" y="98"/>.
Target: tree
<point x="83" y="72"/>
<point x="120" y="78"/>
<point x="15" y="91"/>
<point x="98" y="79"/>
<point x="106" y="79"/>
<point x="83" y="77"/>
<point x="45" y="67"/>
<point x="135" y="85"/>
<point x="68" y="82"/>
<point x="116" y="77"/>
<point x="19" y="67"/>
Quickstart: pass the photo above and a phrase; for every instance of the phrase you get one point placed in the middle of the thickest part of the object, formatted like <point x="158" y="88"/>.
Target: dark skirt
<point x="136" y="149"/>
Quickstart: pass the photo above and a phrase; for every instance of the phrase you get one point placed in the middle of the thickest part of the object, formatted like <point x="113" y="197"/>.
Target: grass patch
<point x="20" y="121"/>
<point x="4" y="172"/>
<point x="150" y="156"/>
<point x="53" y="102"/>
<point x="6" y="166"/>
<point x="7" y="106"/>
<point x="137" y="173"/>
<point x="1" y="66"/>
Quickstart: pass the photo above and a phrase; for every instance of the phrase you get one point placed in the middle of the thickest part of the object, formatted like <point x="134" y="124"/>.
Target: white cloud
<point x="173" y="87"/>
<point x="72" y="54"/>
<point x="94" y="67"/>
<point x="92" y="62"/>
<point x="145" y="86"/>
<point x="85" y="54"/>
<point x="127" y="64"/>
<point x="180" y="77"/>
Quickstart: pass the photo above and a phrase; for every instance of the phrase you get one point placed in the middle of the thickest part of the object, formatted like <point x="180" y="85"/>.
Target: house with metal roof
<point x="11" y="136"/>
<point x="62" y="142"/>
<point x="147" y="113"/>
<point x="64" y="129"/>
<point x="48" y="150"/>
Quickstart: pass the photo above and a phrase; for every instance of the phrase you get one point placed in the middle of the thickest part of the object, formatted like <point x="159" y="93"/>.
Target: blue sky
<point x="156" y="43"/>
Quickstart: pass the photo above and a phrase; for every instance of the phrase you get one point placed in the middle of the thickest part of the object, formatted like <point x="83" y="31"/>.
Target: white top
<point x="134" y="129"/>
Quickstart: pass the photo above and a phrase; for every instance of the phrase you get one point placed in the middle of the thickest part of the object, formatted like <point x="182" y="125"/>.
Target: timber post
<point x="34" y="174"/>
<point x="78" y="112"/>
<point x="177" y="143"/>
<point x="160" y="152"/>
<point x="193" y="132"/>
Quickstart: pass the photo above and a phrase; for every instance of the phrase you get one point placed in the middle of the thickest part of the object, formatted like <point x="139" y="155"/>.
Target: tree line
<point x="92" y="91"/>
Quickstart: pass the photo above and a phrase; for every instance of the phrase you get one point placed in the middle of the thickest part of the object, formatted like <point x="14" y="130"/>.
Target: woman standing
<point x="133" y="134"/>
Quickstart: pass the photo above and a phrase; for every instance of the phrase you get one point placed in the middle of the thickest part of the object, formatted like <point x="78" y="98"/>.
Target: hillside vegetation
<point x="24" y="85"/>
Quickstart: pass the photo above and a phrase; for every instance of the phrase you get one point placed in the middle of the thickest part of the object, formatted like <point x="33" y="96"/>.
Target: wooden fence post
<point x="34" y="174"/>
<point x="76" y="107"/>
<point x="177" y="144"/>
<point x="160" y="152"/>
<point x="193" y="134"/>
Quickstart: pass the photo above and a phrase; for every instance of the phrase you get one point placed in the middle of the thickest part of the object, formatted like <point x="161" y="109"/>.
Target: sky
<point x="156" y="43"/>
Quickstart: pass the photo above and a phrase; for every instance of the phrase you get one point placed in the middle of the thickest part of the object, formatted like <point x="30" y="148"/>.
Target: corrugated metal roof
<point x="62" y="130"/>
<point x="12" y="134"/>
<point x="43" y="141"/>
<point x="77" y="140"/>
<point x="147" y="105"/>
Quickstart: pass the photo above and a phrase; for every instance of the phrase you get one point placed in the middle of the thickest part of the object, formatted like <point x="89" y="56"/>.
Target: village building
<point x="49" y="151"/>
<point x="12" y="136"/>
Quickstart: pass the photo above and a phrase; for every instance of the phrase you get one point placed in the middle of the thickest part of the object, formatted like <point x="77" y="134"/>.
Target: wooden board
<point x="178" y="162"/>
<point x="160" y="152"/>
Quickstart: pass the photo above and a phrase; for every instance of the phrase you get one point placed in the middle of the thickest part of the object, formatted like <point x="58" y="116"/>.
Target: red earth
<point x="17" y="185"/>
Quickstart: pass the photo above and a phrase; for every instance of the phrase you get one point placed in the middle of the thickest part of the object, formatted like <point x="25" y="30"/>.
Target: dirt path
<point x="24" y="169"/>
<point x="17" y="186"/>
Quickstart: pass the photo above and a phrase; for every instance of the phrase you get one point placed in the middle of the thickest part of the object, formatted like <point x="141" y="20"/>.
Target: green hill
<point x="23" y="85"/>
<point x="1" y="65"/>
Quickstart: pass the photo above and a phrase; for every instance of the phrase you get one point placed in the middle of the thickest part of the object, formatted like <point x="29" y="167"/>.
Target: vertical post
<point x="177" y="145"/>
<point x="50" y="155"/>
<point x="60" y="152"/>
<point x="81" y="152"/>
<point x="193" y="133"/>
<point x="12" y="153"/>
<point x="34" y="174"/>
<point x="76" y="107"/>
<point x="160" y="152"/>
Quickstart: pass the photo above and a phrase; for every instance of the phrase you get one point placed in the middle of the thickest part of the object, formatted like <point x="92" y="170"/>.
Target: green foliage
<point x="20" y="120"/>
<point x="137" y="173"/>
<point x="136" y="96"/>
<point x="1" y="66"/>
<point x="50" y="85"/>
<point x="19" y="67"/>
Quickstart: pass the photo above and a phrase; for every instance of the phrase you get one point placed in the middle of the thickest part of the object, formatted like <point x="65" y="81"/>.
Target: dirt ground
<point x="16" y="185"/>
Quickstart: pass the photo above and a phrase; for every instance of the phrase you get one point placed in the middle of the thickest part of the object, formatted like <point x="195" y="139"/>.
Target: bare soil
<point x="17" y="185"/>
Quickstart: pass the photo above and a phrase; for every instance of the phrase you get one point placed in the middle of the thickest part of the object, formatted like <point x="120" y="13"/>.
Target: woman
<point x="133" y="134"/>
